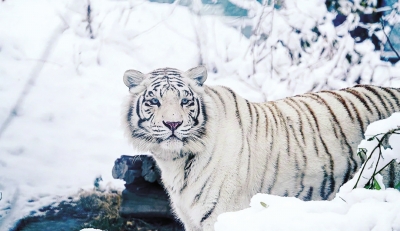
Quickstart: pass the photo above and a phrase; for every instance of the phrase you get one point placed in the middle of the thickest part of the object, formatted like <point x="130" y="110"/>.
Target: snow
<point x="351" y="209"/>
<point x="361" y="209"/>
<point x="90" y="229"/>
<point x="66" y="129"/>
<point x="61" y="86"/>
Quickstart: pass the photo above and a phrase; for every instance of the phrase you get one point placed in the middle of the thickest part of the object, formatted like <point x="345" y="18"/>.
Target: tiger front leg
<point x="186" y="221"/>
<point x="208" y="225"/>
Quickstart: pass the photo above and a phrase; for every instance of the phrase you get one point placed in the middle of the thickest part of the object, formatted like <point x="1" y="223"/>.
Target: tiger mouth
<point x="172" y="137"/>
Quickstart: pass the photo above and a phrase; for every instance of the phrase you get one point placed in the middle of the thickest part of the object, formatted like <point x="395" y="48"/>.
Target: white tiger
<point x="216" y="149"/>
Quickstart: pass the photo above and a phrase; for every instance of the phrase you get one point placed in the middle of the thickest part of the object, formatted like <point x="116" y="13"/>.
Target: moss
<point x="92" y="209"/>
<point x="103" y="208"/>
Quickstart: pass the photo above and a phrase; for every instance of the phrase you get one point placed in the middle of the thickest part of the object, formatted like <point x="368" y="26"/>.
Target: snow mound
<point x="361" y="209"/>
<point x="90" y="229"/>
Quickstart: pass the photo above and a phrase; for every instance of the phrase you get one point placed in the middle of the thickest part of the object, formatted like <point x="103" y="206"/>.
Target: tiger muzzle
<point x="172" y="125"/>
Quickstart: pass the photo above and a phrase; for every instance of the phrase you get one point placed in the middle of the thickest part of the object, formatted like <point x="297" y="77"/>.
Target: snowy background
<point x="61" y="67"/>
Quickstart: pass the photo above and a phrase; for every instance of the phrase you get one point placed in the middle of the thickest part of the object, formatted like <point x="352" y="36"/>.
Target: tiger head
<point x="166" y="111"/>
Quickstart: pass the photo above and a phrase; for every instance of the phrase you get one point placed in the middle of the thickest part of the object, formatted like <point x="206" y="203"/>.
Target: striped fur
<point x="227" y="149"/>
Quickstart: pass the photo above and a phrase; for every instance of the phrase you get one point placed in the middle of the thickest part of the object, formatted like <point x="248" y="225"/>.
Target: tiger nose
<point x="172" y="125"/>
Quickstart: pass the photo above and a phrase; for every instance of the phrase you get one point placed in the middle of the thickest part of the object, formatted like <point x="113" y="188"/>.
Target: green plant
<point x="397" y="186"/>
<point x="383" y="142"/>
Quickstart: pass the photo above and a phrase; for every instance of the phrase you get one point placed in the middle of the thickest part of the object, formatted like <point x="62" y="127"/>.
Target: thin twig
<point x="272" y="28"/>
<point x="379" y="157"/>
<point x="365" y="164"/>
<point x="388" y="40"/>
<point x="89" y="20"/>
<point x="385" y="166"/>
<point x="380" y="141"/>
<point x="158" y="23"/>
<point x="33" y="76"/>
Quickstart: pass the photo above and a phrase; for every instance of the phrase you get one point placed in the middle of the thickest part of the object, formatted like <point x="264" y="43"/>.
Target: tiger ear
<point x="132" y="78"/>
<point x="199" y="74"/>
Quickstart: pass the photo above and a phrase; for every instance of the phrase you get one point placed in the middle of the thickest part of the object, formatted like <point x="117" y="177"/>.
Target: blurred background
<point x="62" y="62"/>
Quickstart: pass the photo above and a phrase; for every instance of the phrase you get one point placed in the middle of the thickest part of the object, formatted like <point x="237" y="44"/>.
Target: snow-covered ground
<point x="61" y="87"/>
<point x="360" y="210"/>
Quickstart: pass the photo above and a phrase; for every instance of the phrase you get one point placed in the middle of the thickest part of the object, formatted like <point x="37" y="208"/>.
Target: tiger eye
<point x="154" y="101"/>
<point x="185" y="101"/>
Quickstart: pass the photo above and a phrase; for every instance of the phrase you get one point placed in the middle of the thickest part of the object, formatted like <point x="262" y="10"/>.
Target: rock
<point x="150" y="170"/>
<point x="144" y="195"/>
<point x="127" y="168"/>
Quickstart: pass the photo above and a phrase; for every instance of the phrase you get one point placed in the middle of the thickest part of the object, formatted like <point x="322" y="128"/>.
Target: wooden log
<point x="145" y="202"/>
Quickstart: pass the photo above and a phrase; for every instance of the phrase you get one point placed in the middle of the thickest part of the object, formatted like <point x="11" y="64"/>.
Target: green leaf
<point x="397" y="186"/>
<point x="362" y="153"/>
<point x="371" y="138"/>
<point x="264" y="205"/>
<point x="376" y="185"/>
<point x="373" y="185"/>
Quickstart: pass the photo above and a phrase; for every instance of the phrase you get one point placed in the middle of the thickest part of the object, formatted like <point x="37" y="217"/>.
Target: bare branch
<point x="33" y="77"/>
<point x="388" y="40"/>
<point x="89" y="20"/>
